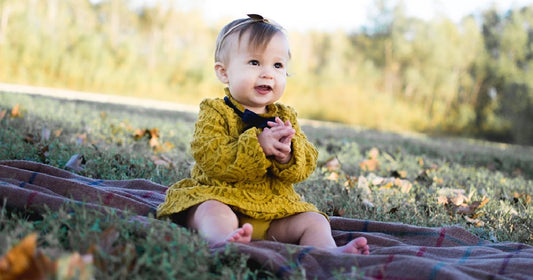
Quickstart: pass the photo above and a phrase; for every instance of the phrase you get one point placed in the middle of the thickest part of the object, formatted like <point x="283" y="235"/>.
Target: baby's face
<point x="257" y="77"/>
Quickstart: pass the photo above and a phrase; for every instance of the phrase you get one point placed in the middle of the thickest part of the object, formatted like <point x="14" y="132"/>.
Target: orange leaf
<point x="23" y="261"/>
<point x="333" y="164"/>
<point x="523" y="198"/>
<point x="16" y="112"/>
<point x="369" y="165"/>
<point x="2" y="114"/>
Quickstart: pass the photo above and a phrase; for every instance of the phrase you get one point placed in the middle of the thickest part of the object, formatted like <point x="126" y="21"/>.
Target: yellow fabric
<point x="232" y="168"/>
<point x="260" y="226"/>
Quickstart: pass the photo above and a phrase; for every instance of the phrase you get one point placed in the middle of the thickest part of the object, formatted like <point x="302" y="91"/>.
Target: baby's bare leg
<point x="312" y="229"/>
<point x="216" y="222"/>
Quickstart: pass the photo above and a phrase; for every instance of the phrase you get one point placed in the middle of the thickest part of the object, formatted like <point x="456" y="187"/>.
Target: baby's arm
<point x="303" y="154"/>
<point x="224" y="154"/>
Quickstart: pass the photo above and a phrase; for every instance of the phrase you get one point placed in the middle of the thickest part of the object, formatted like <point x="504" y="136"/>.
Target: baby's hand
<point x="279" y="123"/>
<point x="281" y="134"/>
<point x="269" y="141"/>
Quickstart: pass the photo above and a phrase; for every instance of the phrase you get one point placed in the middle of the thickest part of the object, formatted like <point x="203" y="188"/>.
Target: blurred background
<point x="454" y="68"/>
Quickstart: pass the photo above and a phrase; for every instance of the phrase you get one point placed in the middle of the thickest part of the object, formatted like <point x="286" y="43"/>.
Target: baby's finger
<point x="272" y="124"/>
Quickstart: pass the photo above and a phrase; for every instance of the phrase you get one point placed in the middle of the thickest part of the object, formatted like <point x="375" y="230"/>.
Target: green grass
<point x="103" y="134"/>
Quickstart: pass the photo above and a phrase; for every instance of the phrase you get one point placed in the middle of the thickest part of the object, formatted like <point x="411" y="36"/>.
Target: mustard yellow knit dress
<point x="232" y="168"/>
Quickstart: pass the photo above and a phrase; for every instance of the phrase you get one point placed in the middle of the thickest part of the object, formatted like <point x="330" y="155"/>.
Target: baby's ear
<point x="220" y="71"/>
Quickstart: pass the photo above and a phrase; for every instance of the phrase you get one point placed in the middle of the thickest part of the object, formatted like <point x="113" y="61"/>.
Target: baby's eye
<point x="253" y="62"/>
<point x="278" y="65"/>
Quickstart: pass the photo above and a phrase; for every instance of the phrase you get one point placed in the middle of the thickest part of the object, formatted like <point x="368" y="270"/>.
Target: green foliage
<point x="397" y="74"/>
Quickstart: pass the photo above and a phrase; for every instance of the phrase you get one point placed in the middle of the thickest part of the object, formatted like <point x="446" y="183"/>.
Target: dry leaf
<point x="339" y="212"/>
<point x="29" y="138"/>
<point x="3" y="114"/>
<point x="57" y="132"/>
<point x="523" y="198"/>
<point x="333" y="176"/>
<point x="24" y="261"/>
<point x="44" y="152"/>
<point x="454" y="196"/>
<point x="165" y="147"/>
<point x="399" y="174"/>
<point x="369" y="165"/>
<point x="473" y="221"/>
<point x="75" y="266"/>
<point x="333" y="164"/>
<point x="76" y="162"/>
<point x="162" y="161"/>
<point x="16" y="112"/>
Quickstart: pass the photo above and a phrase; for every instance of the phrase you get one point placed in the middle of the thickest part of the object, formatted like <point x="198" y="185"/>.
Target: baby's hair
<point x="261" y="31"/>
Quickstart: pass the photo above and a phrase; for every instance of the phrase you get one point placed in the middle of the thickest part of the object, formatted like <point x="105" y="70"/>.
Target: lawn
<point x="407" y="178"/>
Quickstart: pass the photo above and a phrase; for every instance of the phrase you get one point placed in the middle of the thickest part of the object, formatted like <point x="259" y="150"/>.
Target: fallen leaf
<point x="3" y="114"/>
<point x="139" y="133"/>
<point x="76" y="162"/>
<point x="16" y="111"/>
<point x="399" y="174"/>
<point x="24" y="261"/>
<point x="339" y="212"/>
<point x="333" y="176"/>
<point x="369" y="165"/>
<point x="154" y="137"/>
<point x="75" y="266"/>
<point x="441" y="199"/>
<point x="523" y="198"/>
<point x="44" y="152"/>
<point x="165" y="147"/>
<point x="453" y="196"/>
<point x="333" y="164"/>
<point x="29" y="138"/>
<point x="473" y="221"/>
<point x="162" y="161"/>
<point x="57" y="132"/>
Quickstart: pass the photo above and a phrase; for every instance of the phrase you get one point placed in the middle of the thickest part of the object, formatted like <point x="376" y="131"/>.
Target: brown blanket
<point x="398" y="251"/>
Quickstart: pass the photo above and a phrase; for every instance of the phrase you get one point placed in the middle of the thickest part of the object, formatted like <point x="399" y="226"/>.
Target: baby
<point x="250" y="150"/>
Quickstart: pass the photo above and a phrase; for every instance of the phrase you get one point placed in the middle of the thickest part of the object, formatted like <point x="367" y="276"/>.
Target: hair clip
<point x="252" y="18"/>
<point x="257" y="17"/>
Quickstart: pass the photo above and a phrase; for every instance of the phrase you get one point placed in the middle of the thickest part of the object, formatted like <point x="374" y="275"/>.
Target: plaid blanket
<point x="398" y="251"/>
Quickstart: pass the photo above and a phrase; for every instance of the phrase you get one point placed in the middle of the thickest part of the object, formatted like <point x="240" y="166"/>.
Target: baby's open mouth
<point x="264" y="89"/>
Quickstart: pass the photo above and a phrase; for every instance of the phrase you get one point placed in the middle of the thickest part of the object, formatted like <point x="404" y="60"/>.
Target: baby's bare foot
<point x="357" y="246"/>
<point x="242" y="234"/>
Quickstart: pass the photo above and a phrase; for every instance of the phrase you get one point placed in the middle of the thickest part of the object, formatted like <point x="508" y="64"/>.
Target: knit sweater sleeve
<point x="304" y="154"/>
<point x="221" y="152"/>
